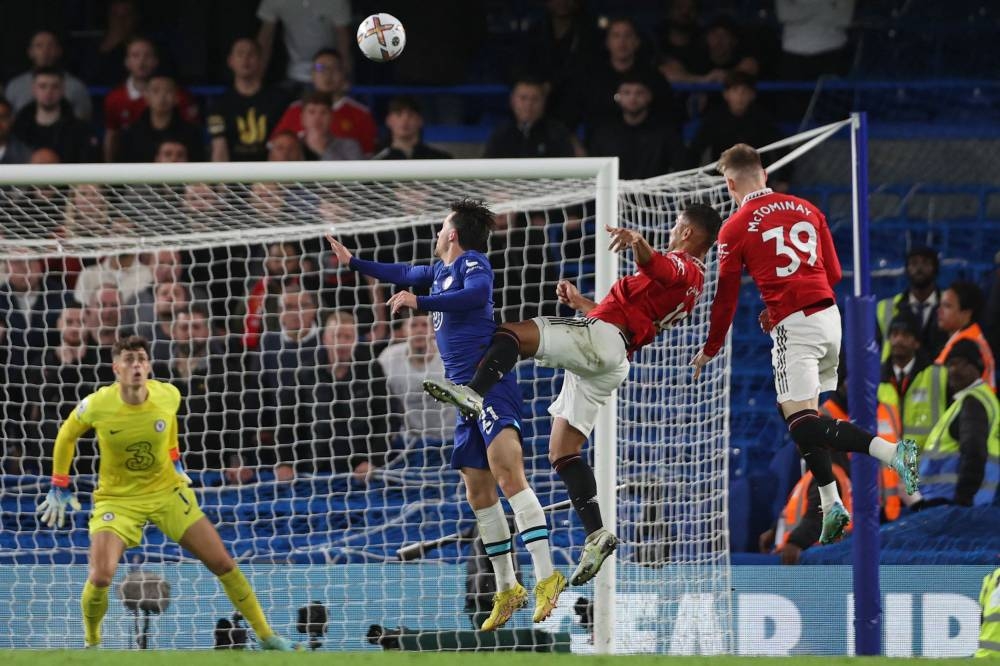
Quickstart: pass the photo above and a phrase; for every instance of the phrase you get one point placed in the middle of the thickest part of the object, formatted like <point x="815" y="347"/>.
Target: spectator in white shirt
<point x="308" y="27"/>
<point x="814" y="37"/>
<point x="406" y="365"/>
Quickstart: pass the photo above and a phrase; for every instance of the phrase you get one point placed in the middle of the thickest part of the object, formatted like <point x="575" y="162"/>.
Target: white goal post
<point x="660" y="448"/>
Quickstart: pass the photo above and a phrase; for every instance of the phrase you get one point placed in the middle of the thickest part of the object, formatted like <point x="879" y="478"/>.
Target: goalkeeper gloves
<point x="53" y="507"/>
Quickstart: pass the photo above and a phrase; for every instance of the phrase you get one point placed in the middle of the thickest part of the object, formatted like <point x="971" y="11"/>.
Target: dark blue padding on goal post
<point x="862" y="376"/>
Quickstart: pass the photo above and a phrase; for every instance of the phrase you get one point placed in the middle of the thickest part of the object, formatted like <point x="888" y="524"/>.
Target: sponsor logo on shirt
<point x="437" y="318"/>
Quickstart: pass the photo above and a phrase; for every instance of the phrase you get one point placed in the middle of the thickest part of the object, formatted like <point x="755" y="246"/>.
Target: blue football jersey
<point x="463" y="333"/>
<point x="460" y="304"/>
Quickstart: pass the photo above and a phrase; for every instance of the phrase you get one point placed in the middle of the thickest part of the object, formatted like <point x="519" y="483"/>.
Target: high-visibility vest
<point x="888" y="480"/>
<point x="989" y="630"/>
<point x="798" y="503"/>
<point x="885" y="310"/>
<point x="975" y="334"/>
<point x="941" y="455"/>
<point x="924" y="401"/>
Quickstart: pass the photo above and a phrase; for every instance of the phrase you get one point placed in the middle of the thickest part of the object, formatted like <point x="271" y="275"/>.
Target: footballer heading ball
<point x="381" y="37"/>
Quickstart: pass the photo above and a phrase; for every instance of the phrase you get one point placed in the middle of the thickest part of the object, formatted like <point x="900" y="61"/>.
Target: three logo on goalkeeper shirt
<point x="437" y="318"/>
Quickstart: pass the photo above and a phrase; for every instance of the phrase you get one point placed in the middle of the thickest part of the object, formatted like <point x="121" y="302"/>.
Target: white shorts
<point x="594" y="355"/>
<point x="805" y="354"/>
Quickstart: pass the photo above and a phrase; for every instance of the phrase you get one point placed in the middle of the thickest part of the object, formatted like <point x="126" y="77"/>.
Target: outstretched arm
<point x="657" y="267"/>
<point x="622" y="239"/>
<point x="474" y="294"/>
<point x="568" y="294"/>
<point x="69" y="432"/>
<point x="60" y="497"/>
<point x="726" y="295"/>
<point x="476" y="290"/>
<point x="401" y="274"/>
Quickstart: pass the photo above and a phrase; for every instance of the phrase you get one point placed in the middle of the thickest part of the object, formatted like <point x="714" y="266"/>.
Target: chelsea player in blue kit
<point x="488" y="449"/>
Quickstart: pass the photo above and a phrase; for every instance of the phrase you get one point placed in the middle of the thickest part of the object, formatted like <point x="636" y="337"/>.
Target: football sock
<point x="809" y="433"/>
<point x="828" y="496"/>
<point x="498" y="360"/>
<point x="495" y="533"/>
<point x="94" y="603"/>
<point x="845" y="436"/>
<point x="582" y="488"/>
<point x="238" y="590"/>
<point x="882" y="449"/>
<point x="530" y="521"/>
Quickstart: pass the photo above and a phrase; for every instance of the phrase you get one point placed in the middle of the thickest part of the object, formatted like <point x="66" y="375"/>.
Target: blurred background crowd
<point x="288" y="362"/>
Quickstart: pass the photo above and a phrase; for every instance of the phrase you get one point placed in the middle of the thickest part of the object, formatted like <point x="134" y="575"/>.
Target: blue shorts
<point x="501" y="409"/>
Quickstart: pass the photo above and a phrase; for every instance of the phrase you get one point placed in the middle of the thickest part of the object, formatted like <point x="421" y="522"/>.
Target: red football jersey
<point x="662" y="293"/>
<point x="121" y="109"/>
<point x="350" y="120"/>
<point x="787" y="248"/>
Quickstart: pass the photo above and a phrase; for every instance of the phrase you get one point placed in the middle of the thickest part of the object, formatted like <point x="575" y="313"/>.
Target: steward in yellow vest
<point x="960" y="463"/>
<point x="989" y="629"/>
<point x="920" y="300"/>
<point x="912" y="392"/>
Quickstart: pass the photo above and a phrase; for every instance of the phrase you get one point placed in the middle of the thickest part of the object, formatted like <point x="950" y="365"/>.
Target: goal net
<point x="312" y="447"/>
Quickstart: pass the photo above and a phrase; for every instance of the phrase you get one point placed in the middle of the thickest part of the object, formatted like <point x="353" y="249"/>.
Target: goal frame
<point x="603" y="169"/>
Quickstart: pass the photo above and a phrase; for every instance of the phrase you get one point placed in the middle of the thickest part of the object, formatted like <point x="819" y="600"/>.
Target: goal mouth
<point x="225" y="269"/>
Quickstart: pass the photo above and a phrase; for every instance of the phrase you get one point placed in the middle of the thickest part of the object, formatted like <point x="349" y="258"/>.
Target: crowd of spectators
<point x="581" y="84"/>
<point x="287" y="360"/>
<point x="937" y="387"/>
<point x="277" y="373"/>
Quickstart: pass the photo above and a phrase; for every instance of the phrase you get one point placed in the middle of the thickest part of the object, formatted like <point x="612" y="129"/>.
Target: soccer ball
<point x="381" y="37"/>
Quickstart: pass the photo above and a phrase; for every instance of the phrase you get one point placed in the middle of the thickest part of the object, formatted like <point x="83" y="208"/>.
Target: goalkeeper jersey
<point x="135" y="442"/>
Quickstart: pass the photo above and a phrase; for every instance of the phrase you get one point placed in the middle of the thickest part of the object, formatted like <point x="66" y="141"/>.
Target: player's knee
<point x="511" y="482"/>
<point x="805" y="428"/>
<point x="100" y="576"/>
<point x="480" y="498"/>
<point x="221" y="564"/>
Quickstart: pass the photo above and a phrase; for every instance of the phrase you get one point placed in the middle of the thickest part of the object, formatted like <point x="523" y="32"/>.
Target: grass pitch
<point x="241" y="658"/>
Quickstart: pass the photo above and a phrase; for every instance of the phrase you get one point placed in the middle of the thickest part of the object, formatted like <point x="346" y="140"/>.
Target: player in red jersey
<point x="786" y="246"/>
<point x="594" y="351"/>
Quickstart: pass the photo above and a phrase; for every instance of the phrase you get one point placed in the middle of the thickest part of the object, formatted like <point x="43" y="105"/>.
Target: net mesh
<point x="312" y="448"/>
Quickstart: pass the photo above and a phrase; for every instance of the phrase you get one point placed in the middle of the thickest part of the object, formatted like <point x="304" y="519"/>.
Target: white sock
<point x="530" y="521"/>
<point x="496" y="538"/>
<point x="828" y="495"/>
<point x="882" y="449"/>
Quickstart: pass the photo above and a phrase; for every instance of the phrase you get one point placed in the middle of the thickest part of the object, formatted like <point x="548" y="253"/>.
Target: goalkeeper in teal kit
<point x="488" y="447"/>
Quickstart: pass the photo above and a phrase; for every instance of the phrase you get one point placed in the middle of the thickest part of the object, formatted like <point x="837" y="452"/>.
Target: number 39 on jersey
<point x="801" y="239"/>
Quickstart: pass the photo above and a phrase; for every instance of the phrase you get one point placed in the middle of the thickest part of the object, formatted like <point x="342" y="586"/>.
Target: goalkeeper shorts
<point x="173" y="511"/>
